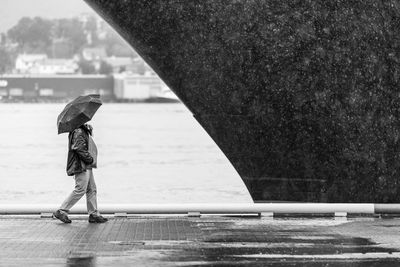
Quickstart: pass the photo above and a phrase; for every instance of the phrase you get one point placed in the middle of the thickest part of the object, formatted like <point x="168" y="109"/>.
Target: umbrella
<point x="78" y="112"/>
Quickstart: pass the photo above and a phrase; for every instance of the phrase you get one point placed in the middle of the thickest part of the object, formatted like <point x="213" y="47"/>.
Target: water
<point x="148" y="153"/>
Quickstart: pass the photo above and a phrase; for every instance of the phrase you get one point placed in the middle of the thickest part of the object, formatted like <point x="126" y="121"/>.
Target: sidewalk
<point x="204" y="241"/>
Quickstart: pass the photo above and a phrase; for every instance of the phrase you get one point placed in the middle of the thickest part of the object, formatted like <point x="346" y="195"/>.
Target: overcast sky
<point x="12" y="10"/>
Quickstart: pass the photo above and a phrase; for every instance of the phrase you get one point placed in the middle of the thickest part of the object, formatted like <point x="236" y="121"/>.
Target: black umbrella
<point x="78" y="112"/>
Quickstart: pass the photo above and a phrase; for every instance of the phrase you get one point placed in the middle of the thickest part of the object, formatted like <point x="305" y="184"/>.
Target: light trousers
<point x="84" y="184"/>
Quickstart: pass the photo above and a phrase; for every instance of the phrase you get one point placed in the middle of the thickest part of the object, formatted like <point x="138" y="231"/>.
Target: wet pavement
<point x="203" y="241"/>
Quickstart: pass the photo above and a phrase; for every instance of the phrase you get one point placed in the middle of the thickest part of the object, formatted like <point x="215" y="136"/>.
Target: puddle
<point x="291" y="222"/>
<point x="81" y="262"/>
<point x="347" y="256"/>
<point x="128" y="243"/>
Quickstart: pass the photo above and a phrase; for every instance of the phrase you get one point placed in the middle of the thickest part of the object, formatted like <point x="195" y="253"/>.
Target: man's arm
<point x="80" y="147"/>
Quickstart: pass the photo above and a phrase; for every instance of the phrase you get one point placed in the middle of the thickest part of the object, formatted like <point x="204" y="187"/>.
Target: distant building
<point x="40" y="64"/>
<point x="56" y="66"/>
<point x="30" y="87"/>
<point x="26" y="62"/>
<point x="142" y="88"/>
<point x="120" y="64"/>
<point x="94" y="53"/>
<point x="121" y="87"/>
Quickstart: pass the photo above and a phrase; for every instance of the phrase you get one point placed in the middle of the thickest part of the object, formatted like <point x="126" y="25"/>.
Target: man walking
<point x="82" y="158"/>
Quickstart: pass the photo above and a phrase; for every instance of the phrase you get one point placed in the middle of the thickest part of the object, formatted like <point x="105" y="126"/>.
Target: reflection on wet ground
<point x="205" y="241"/>
<point x="81" y="262"/>
<point x="286" y="243"/>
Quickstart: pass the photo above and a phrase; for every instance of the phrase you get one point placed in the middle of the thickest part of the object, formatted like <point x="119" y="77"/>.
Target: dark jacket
<point x="78" y="152"/>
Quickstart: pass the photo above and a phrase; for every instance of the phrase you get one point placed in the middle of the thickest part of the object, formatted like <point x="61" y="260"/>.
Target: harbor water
<point x="148" y="153"/>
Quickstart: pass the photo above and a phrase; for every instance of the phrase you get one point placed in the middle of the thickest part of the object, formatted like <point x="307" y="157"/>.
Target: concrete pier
<point x="205" y="241"/>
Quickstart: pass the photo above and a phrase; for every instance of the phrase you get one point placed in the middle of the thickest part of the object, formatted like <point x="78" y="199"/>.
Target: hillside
<point x="11" y="11"/>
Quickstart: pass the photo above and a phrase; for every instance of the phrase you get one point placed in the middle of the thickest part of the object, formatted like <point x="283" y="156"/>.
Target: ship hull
<point x="301" y="96"/>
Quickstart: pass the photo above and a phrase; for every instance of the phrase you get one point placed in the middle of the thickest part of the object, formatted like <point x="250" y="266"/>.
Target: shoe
<point x="97" y="219"/>
<point x="61" y="216"/>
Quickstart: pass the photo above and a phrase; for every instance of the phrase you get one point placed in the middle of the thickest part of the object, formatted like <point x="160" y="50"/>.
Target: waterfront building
<point x="34" y="87"/>
<point x="41" y="64"/>
<point x="142" y="88"/>
<point x="94" y="53"/>
<point x="136" y="87"/>
<point x="120" y="87"/>
<point x="120" y="64"/>
<point x="56" y="66"/>
<point x="26" y="62"/>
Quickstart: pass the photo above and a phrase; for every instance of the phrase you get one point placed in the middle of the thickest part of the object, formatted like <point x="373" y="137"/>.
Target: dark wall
<point x="63" y="86"/>
<point x="301" y="96"/>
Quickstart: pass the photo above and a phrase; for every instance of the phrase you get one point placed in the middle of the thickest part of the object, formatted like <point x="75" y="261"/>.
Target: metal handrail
<point x="211" y="208"/>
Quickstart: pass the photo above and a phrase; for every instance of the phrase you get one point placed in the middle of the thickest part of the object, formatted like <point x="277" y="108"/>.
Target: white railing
<point x="234" y="208"/>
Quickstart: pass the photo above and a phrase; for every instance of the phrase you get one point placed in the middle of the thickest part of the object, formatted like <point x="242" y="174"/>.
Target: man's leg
<point x="81" y="183"/>
<point x="91" y="195"/>
<point x="91" y="201"/>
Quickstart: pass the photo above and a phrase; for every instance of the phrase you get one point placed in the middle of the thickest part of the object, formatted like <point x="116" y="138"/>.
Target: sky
<point x="13" y="10"/>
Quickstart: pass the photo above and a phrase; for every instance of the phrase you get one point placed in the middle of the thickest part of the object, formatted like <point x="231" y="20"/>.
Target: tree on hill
<point x="71" y="30"/>
<point x="86" y="67"/>
<point x="105" y="68"/>
<point x="5" y="60"/>
<point x="38" y="35"/>
<point x="32" y="35"/>
<point x="116" y="46"/>
<point x="90" y="29"/>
